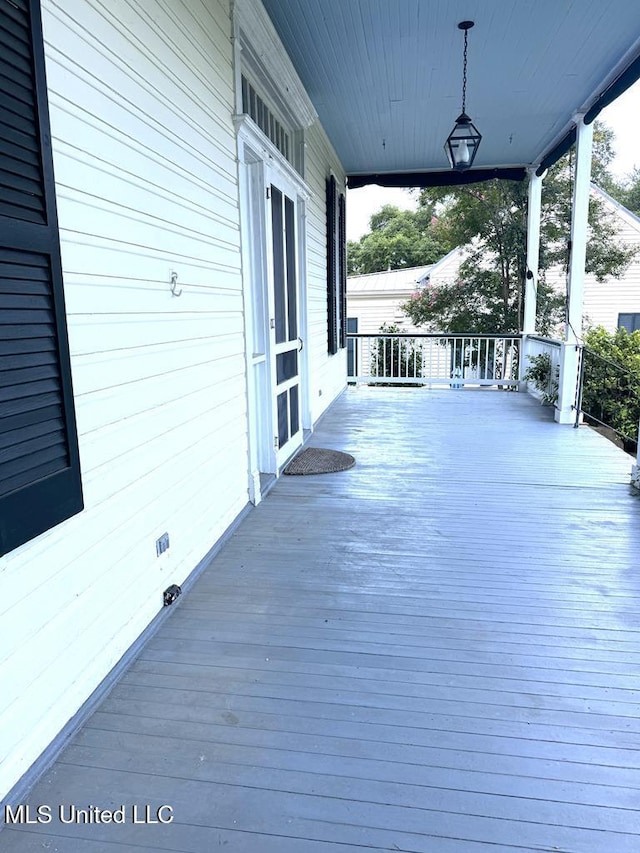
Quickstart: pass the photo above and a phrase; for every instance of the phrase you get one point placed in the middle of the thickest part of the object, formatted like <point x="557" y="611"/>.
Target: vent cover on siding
<point x="21" y="182"/>
<point x="32" y="434"/>
<point x="254" y="106"/>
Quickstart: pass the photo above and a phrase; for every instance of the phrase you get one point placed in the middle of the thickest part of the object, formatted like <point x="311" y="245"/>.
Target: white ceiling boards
<point x="386" y="75"/>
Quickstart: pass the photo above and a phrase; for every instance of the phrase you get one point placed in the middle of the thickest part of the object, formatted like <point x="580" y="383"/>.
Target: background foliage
<point x="393" y="356"/>
<point x="397" y="239"/>
<point x="611" y="390"/>
<point x="490" y="220"/>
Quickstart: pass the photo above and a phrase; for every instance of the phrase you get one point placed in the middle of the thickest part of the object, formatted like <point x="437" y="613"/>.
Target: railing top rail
<point x="434" y="335"/>
<point x="551" y="341"/>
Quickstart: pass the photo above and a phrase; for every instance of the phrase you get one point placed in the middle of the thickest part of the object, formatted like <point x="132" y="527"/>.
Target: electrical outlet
<point x="162" y="544"/>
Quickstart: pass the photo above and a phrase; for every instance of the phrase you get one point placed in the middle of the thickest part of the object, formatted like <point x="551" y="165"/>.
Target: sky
<point x="622" y="116"/>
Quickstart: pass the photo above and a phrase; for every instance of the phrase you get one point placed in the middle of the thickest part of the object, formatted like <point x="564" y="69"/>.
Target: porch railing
<point x="534" y="346"/>
<point x="434" y="359"/>
<point x="608" y="395"/>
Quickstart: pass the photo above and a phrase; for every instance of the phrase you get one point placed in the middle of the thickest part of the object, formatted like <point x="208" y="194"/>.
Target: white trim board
<point x="263" y="148"/>
<point x="253" y="27"/>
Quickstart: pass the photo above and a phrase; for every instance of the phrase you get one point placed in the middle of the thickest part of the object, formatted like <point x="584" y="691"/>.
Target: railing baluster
<point x="436" y="359"/>
<point x="455" y="354"/>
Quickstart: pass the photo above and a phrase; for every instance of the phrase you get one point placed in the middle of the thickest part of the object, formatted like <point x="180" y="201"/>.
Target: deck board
<point x="437" y="650"/>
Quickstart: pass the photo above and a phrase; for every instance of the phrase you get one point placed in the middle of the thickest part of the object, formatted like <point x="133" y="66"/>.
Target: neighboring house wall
<point x="377" y="298"/>
<point x="142" y="101"/>
<point x="372" y="311"/>
<point x="604" y="301"/>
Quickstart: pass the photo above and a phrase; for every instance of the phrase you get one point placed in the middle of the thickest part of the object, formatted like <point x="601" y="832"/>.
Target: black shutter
<point x="342" y="253"/>
<point x="332" y="317"/>
<point x="39" y="465"/>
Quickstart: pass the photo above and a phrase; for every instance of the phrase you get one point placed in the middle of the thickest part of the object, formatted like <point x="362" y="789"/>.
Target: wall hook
<point x="174" y="285"/>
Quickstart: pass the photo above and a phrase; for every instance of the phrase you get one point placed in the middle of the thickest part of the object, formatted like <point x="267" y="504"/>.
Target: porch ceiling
<point x="385" y="75"/>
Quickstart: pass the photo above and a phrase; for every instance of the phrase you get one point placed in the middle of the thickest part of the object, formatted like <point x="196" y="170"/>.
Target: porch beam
<point x="534" y="207"/>
<point x="579" y="222"/>
<point x="445" y="178"/>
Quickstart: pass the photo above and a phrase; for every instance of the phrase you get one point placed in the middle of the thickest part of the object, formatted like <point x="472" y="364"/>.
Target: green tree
<point x="398" y="238"/>
<point x="611" y="389"/>
<point x="490" y="219"/>
<point x="628" y="191"/>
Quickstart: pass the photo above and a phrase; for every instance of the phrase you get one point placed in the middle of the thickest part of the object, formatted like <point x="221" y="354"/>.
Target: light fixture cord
<point x="464" y="75"/>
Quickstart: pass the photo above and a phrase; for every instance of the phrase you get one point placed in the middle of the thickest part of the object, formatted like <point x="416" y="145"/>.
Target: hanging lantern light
<point x="463" y="141"/>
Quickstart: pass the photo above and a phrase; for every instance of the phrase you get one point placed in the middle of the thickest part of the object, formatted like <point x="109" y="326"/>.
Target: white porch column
<point x="635" y="471"/>
<point x="579" y="219"/>
<point x="531" y="278"/>
<point x="533" y="253"/>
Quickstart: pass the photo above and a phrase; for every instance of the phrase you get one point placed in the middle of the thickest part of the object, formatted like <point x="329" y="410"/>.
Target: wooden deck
<point x="436" y="651"/>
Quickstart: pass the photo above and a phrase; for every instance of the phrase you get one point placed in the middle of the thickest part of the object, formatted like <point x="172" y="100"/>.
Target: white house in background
<point x="200" y="235"/>
<point x="377" y="298"/>
<point x="614" y="302"/>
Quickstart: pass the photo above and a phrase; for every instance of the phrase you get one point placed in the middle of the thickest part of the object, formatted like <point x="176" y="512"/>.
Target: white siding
<point x="328" y="373"/>
<point x="372" y="311"/>
<point x="603" y="301"/>
<point x="378" y="304"/>
<point x="141" y="101"/>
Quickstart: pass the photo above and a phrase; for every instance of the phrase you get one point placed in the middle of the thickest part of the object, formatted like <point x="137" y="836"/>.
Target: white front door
<point x="284" y="319"/>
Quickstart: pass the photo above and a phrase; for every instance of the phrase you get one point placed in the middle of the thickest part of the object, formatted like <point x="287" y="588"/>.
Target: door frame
<point x="275" y="183"/>
<point x="260" y="164"/>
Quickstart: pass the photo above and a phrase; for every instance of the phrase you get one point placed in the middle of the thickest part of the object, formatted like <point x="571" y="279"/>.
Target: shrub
<point x="611" y="387"/>
<point x="539" y="374"/>
<point x="394" y="357"/>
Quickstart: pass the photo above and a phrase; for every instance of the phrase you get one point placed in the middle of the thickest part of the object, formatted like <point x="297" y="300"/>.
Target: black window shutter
<point x="342" y="252"/>
<point x="39" y="464"/>
<point x="332" y="314"/>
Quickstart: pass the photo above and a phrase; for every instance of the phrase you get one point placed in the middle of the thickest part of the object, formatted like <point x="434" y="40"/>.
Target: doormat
<point x="317" y="460"/>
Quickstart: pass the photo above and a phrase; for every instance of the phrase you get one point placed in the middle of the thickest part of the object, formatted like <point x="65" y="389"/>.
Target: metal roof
<point x="386" y="75"/>
<point x="390" y="281"/>
<point x="403" y="280"/>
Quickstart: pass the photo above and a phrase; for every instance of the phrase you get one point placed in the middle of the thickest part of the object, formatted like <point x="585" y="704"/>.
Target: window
<point x="39" y="464"/>
<point x="336" y="268"/>
<point x="255" y="107"/>
<point x="630" y="322"/>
